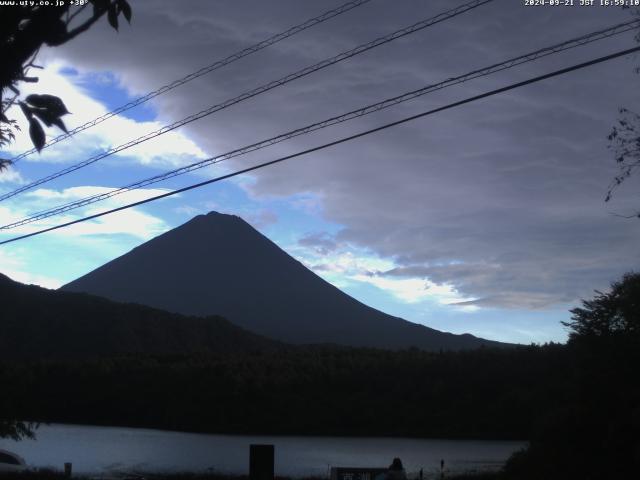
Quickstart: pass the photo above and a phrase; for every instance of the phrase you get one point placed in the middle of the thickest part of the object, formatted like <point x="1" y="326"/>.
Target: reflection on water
<point x="114" y="449"/>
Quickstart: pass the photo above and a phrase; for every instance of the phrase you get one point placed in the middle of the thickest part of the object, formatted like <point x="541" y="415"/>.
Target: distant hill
<point x="219" y="264"/>
<point x="36" y="323"/>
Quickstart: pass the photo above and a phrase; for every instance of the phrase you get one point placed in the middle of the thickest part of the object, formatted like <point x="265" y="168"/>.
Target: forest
<point x="306" y="390"/>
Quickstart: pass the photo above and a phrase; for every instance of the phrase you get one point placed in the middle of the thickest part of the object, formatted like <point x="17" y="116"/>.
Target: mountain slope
<point x="219" y="264"/>
<point x="36" y="323"/>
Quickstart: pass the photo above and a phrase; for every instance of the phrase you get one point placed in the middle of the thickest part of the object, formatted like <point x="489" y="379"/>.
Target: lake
<point x="112" y="450"/>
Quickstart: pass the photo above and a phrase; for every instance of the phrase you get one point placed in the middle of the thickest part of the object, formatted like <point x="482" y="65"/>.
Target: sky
<point x="488" y="218"/>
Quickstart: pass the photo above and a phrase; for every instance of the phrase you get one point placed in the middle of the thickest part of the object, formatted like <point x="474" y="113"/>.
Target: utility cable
<point x="336" y="142"/>
<point x="203" y="71"/>
<point x="257" y="91"/>
<point x="529" y="57"/>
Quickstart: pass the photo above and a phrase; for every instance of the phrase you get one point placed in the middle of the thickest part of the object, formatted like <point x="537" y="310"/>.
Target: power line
<point x="203" y="71"/>
<point x="252" y="93"/>
<point x="568" y="44"/>
<point x="336" y="142"/>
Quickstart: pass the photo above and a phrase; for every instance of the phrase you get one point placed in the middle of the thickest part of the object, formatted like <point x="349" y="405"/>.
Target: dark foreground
<point x="577" y="404"/>
<point x="55" y="475"/>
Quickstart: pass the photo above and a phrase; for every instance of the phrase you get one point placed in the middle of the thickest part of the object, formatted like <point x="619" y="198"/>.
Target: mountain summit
<point x="218" y="264"/>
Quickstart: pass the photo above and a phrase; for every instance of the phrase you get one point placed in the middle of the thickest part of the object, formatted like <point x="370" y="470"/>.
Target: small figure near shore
<point x="396" y="470"/>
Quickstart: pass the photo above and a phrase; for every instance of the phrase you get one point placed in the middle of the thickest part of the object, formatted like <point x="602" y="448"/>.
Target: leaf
<point x="36" y="132"/>
<point x="60" y="124"/>
<point x="26" y="110"/>
<point x="99" y="7"/>
<point x="44" y="115"/>
<point x="112" y="16"/>
<point x="54" y="32"/>
<point x="4" y="163"/>
<point x="48" y="102"/>
<point x="125" y="8"/>
<point x="49" y="119"/>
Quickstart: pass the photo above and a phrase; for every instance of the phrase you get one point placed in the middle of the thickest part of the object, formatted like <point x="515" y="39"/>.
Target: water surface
<point x="110" y="450"/>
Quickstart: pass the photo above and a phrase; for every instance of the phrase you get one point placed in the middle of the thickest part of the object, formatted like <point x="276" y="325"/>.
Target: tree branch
<point x="83" y="27"/>
<point x="76" y="13"/>
<point x="635" y="215"/>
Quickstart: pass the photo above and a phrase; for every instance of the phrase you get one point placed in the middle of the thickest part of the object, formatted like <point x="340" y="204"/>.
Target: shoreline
<point x="98" y="450"/>
<point x="276" y="435"/>
<point x="51" y="474"/>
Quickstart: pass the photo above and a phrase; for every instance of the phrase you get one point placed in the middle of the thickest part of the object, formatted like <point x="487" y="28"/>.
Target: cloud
<point x="11" y="175"/>
<point x="308" y="203"/>
<point x="322" y="243"/>
<point x="80" y="192"/>
<point x="498" y="202"/>
<point x="414" y="290"/>
<point x="345" y="266"/>
<point x="188" y="210"/>
<point x="169" y="150"/>
<point x="134" y="221"/>
<point x="12" y="264"/>
<point x="347" y="262"/>
<point x="527" y="301"/>
<point x="501" y="287"/>
<point x="260" y="219"/>
<point x="125" y="222"/>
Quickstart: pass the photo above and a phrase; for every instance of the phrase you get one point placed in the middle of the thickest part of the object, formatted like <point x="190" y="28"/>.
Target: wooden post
<point x="261" y="462"/>
<point x="67" y="469"/>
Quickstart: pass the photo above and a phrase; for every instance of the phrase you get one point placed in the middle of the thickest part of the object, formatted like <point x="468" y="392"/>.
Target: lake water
<point x="113" y="450"/>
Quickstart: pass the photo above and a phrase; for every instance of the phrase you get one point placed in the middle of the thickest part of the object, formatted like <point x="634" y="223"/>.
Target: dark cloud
<point x="321" y="267"/>
<point x="502" y="198"/>
<point x="322" y="243"/>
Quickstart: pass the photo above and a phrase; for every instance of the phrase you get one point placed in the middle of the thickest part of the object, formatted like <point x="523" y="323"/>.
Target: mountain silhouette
<point x="37" y="323"/>
<point x="218" y="264"/>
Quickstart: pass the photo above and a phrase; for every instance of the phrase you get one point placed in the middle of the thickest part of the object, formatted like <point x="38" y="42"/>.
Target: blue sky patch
<point x="105" y="88"/>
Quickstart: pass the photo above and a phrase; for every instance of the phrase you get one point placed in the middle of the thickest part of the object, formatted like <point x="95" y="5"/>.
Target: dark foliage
<point x="616" y="313"/>
<point x="16" y="429"/>
<point x="624" y="141"/>
<point x="308" y="390"/>
<point x="595" y="432"/>
<point x="24" y="29"/>
<point x="37" y="323"/>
